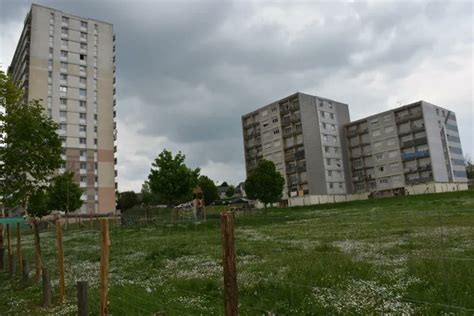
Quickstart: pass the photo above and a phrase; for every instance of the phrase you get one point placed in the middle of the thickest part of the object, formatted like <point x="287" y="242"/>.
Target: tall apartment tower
<point x="302" y="135"/>
<point x="394" y="151"/>
<point x="68" y="62"/>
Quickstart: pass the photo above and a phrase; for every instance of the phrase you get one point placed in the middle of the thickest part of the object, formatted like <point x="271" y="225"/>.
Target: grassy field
<point x="412" y="255"/>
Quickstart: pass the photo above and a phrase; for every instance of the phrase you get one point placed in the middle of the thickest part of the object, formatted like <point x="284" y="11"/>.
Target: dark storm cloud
<point x="188" y="70"/>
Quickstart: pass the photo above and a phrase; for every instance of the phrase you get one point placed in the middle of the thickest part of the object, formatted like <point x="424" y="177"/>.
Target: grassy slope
<point x="356" y="257"/>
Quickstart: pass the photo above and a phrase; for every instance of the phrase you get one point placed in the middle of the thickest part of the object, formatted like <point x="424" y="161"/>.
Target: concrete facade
<point x="68" y="62"/>
<point x="302" y="135"/>
<point x="392" y="152"/>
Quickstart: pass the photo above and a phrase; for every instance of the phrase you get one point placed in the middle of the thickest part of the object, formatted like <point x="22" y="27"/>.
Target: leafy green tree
<point x="209" y="189"/>
<point x="265" y="183"/>
<point x="127" y="200"/>
<point x="31" y="149"/>
<point x="64" y="194"/>
<point x="38" y="204"/>
<point x="230" y="191"/>
<point x="469" y="167"/>
<point x="148" y="197"/>
<point x="170" y="179"/>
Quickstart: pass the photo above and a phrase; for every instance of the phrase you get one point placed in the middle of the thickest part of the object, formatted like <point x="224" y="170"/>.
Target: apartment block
<point x="392" y="151"/>
<point x="68" y="62"/>
<point x="303" y="135"/>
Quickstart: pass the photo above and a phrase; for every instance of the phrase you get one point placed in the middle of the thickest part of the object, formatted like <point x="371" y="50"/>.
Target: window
<point x="374" y="121"/>
<point x="322" y="113"/>
<point x="329" y="173"/>
<point x="389" y="129"/>
<point x="383" y="181"/>
<point x="392" y="154"/>
<point x="50" y="41"/>
<point x="387" y="117"/>
<point x="83" y="165"/>
<point x="83" y="179"/>
<point x="276" y="131"/>
<point x="62" y="126"/>
<point x="326" y="149"/>
<point x="63" y="89"/>
<point x="50" y="101"/>
<point x="50" y="52"/>
<point x="274" y="120"/>
<point x="324" y="125"/>
<point x="82" y="116"/>
<point x="82" y="70"/>
<point x="64" y="54"/>
<point x="64" y="42"/>
<point x="83" y="80"/>
<point x="95" y="141"/>
<point x="63" y="66"/>
<point x="65" y="19"/>
<point x="95" y="129"/>
<point x="331" y="185"/>
<point x="62" y="114"/>
<point x="394" y="166"/>
<point x="82" y="104"/>
<point x="381" y="168"/>
<point x="63" y="77"/>
<point x="274" y="109"/>
<point x="63" y="101"/>
<point x="331" y="115"/>
<point x="83" y="24"/>
<point x="325" y="138"/>
<point x="83" y="36"/>
<point x="82" y="57"/>
<point x="51" y="18"/>
<point x="83" y="46"/>
<point x="65" y="31"/>
<point x="82" y="153"/>
<point x="328" y="161"/>
<point x="82" y="128"/>
<point x="82" y="140"/>
<point x="378" y="156"/>
<point x="50" y="65"/>
<point x="376" y="132"/>
<point x="391" y="141"/>
<point x="333" y="127"/>
<point x="82" y="92"/>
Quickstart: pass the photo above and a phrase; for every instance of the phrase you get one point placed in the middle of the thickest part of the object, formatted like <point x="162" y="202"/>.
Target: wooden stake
<point x="82" y="298"/>
<point x="2" y="250"/>
<point x="46" y="289"/>
<point x="104" y="266"/>
<point x="18" y="248"/>
<point x="12" y="265"/>
<point x="59" y="240"/>
<point x="9" y="243"/>
<point x="38" y="262"/>
<point x="228" y="261"/>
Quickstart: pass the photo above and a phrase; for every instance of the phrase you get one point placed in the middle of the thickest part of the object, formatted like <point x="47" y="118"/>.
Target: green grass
<point x="412" y="255"/>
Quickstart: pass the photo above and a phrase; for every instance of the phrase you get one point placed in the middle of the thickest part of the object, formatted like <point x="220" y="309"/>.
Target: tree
<point x="209" y="189"/>
<point x="170" y="179"/>
<point x="469" y="167"/>
<point x="64" y="194"/>
<point x="230" y="191"/>
<point x="265" y="183"/>
<point x="127" y="200"/>
<point x="31" y="148"/>
<point x="38" y="204"/>
<point x="148" y="197"/>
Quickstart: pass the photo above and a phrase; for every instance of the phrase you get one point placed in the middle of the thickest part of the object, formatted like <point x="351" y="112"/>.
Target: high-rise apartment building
<point x="392" y="151"/>
<point x="303" y="135"/>
<point x="68" y="62"/>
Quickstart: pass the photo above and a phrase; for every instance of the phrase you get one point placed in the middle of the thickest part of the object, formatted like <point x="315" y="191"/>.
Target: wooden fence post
<point x="2" y="250"/>
<point x="38" y="262"/>
<point x="228" y="261"/>
<point x="18" y="248"/>
<point x="25" y="274"/>
<point x="9" y="243"/>
<point x="59" y="239"/>
<point x="104" y="266"/>
<point x="82" y="298"/>
<point x="12" y="265"/>
<point x="46" y="289"/>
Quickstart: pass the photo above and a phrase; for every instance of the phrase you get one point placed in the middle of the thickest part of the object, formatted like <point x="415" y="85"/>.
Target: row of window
<point x="82" y="140"/>
<point x="387" y="129"/>
<point x="65" y="21"/>
<point x="333" y="185"/>
<point x="82" y="127"/>
<point x="327" y="115"/>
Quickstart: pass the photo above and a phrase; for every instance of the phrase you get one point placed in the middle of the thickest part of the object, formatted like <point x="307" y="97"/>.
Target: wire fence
<point x="301" y="261"/>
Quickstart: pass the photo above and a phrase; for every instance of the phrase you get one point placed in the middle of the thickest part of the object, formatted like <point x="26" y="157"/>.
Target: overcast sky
<point x="187" y="71"/>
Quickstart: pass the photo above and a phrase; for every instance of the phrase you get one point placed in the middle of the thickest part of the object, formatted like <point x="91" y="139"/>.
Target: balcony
<point x="415" y="155"/>
<point x="420" y="141"/>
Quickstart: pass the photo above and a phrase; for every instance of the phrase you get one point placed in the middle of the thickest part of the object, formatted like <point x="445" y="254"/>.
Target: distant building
<point x="222" y="189"/>
<point x="324" y="157"/>
<point x="68" y="62"/>
<point x="414" y="144"/>
<point x="303" y="135"/>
